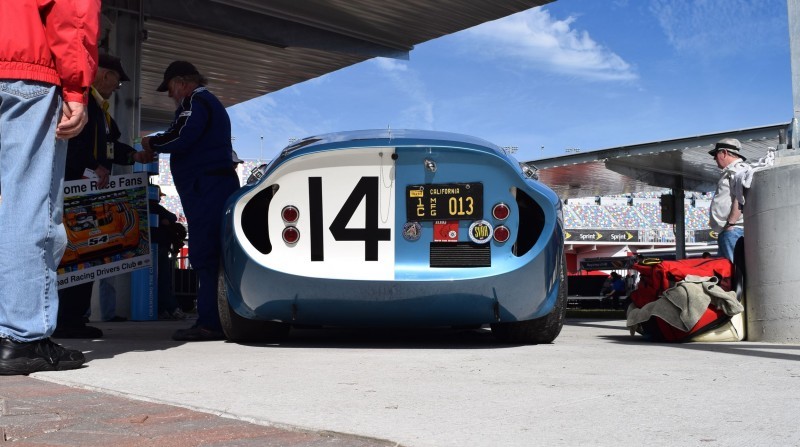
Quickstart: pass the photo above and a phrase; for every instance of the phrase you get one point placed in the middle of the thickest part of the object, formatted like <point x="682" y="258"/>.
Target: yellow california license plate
<point x="444" y="201"/>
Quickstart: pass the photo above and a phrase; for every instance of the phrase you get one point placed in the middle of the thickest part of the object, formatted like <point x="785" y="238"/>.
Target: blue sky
<point x="583" y="74"/>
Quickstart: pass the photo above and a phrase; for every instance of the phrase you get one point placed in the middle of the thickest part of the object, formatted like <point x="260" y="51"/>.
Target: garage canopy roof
<point x="681" y="163"/>
<point x="248" y="48"/>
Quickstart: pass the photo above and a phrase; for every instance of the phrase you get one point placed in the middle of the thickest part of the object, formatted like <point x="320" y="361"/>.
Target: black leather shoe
<point x="23" y="358"/>
<point x="77" y="332"/>
<point x="198" y="333"/>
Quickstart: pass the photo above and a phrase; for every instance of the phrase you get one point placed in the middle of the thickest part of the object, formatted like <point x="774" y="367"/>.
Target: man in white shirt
<point x="725" y="216"/>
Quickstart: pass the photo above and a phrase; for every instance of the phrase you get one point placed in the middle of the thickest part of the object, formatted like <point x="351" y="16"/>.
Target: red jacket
<point x="53" y="41"/>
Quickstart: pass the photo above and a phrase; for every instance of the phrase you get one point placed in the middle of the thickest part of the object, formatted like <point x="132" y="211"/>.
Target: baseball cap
<point x="110" y="62"/>
<point x="731" y="145"/>
<point x="177" y="68"/>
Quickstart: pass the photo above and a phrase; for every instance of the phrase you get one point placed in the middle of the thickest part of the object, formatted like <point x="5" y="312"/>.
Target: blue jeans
<point x="32" y="238"/>
<point x="726" y="241"/>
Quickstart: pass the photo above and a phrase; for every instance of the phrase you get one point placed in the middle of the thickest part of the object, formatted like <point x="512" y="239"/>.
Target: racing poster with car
<point x="108" y="232"/>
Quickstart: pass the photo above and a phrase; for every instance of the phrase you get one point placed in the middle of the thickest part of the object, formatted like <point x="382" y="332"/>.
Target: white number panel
<point x="346" y="205"/>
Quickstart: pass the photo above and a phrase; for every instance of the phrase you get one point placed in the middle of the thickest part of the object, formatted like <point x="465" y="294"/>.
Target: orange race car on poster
<point x="104" y="226"/>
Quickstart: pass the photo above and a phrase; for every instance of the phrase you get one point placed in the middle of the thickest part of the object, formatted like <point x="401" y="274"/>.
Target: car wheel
<point x="240" y="329"/>
<point x="540" y="330"/>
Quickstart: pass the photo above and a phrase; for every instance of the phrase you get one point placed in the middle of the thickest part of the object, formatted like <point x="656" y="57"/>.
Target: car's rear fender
<point x="522" y="294"/>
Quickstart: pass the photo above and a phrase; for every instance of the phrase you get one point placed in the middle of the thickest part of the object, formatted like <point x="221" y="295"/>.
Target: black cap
<point x="177" y="68"/>
<point x="110" y="62"/>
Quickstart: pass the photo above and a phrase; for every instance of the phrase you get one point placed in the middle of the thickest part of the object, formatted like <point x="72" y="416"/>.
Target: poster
<point x="108" y="230"/>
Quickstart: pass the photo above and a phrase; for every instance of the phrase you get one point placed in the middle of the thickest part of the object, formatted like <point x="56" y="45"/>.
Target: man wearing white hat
<point x="725" y="216"/>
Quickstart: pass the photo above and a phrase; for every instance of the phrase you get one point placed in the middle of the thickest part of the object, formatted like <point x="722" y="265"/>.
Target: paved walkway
<point x="38" y="413"/>
<point x="596" y="385"/>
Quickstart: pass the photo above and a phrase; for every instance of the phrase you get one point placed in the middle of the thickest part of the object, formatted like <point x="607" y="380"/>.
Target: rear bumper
<point x="528" y="292"/>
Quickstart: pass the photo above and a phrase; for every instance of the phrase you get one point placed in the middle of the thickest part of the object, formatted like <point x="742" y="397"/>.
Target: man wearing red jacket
<point x="48" y="59"/>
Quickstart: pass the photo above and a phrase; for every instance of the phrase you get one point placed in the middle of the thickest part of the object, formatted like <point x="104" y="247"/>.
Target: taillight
<point x="290" y="214"/>
<point x="501" y="233"/>
<point x="501" y="211"/>
<point x="291" y="235"/>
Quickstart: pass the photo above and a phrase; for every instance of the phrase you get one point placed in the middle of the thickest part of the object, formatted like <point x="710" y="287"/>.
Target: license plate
<point x="444" y="201"/>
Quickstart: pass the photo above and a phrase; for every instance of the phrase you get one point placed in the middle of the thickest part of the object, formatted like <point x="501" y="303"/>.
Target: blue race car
<point x="393" y="228"/>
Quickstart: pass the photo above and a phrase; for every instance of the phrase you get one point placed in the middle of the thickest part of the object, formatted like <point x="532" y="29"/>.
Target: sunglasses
<point x="116" y="75"/>
<point x="714" y="155"/>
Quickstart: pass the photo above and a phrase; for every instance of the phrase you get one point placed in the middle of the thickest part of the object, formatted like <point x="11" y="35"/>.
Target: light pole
<point x="261" y="151"/>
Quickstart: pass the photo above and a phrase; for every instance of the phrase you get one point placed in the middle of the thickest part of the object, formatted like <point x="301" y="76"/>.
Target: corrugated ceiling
<point x="248" y="48"/>
<point x="237" y="69"/>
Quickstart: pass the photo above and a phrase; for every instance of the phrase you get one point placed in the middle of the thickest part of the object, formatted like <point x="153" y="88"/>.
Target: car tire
<point x="541" y="330"/>
<point x="240" y="329"/>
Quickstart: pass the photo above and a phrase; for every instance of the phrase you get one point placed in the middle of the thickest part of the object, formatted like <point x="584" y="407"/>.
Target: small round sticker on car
<point x="480" y="231"/>
<point x="412" y="231"/>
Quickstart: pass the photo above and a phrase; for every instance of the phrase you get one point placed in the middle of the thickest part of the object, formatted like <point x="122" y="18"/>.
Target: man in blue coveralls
<point x="199" y="144"/>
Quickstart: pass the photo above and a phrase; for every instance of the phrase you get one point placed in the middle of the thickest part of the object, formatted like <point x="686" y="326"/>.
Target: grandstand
<point x="593" y="216"/>
<point x="627" y="217"/>
<point x="164" y="174"/>
<point x="632" y="212"/>
<point x="171" y="201"/>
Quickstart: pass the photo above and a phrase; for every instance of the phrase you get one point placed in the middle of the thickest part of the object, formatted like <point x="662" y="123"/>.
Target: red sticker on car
<point x="445" y="231"/>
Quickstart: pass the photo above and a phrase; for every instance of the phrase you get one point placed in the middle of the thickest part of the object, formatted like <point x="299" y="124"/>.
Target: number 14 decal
<point x="367" y="188"/>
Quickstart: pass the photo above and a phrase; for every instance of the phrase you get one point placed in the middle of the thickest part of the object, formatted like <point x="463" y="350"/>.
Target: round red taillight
<point x="501" y="233"/>
<point x="290" y="214"/>
<point x="291" y="235"/>
<point x="501" y="211"/>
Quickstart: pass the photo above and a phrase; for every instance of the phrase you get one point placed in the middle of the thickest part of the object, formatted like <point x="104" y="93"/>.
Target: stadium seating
<point x="642" y="215"/>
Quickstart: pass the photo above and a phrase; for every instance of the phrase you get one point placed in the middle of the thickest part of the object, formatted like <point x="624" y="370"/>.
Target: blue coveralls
<point x="199" y="144"/>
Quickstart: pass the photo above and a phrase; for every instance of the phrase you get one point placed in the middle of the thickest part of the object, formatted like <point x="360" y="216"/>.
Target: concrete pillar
<point x="794" y="58"/>
<point x="126" y="44"/>
<point x="772" y="253"/>
<point x="124" y="41"/>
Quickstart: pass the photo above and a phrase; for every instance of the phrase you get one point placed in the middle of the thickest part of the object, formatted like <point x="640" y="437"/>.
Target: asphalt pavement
<point x="595" y="385"/>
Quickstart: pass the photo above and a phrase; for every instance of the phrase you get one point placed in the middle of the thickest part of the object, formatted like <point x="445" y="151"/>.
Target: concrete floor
<point x="596" y="385"/>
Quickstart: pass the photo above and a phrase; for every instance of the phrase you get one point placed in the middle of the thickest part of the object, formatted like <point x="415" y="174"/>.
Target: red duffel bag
<point x="656" y="276"/>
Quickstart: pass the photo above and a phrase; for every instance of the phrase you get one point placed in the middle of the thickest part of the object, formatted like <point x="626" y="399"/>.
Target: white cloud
<point x="272" y="120"/>
<point x="720" y="27"/>
<point x="251" y="114"/>
<point x="387" y="64"/>
<point x="419" y="111"/>
<point x="534" y="39"/>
